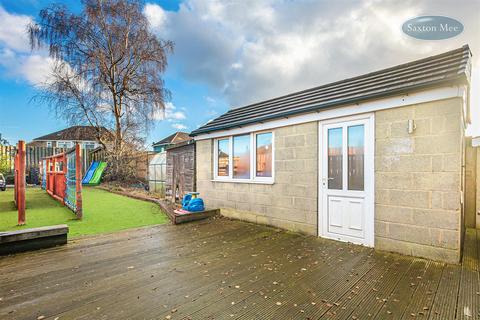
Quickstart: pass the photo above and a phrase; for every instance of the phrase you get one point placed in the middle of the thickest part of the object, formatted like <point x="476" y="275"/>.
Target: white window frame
<point x="253" y="160"/>
<point x="49" y="144"/>
<point x="85" y="143"/>
<point x="230" y="159"/>
<point x="69" y="144"/>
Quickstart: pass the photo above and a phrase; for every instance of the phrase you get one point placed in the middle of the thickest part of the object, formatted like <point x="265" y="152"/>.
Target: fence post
<point x="15" y="180"/>
<point x="78" y="180"/>
<point x="21" y="183"/>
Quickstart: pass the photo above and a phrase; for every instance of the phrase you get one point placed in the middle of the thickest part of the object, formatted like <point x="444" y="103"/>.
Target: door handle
<point x="325" y="180"/>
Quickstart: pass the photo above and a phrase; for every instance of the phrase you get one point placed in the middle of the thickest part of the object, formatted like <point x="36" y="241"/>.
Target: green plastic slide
<point x="97" y="176"/>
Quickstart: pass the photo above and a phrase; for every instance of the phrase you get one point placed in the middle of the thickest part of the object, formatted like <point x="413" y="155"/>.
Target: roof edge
<point x="378" y="71"/>
<point x="316" y="108"/>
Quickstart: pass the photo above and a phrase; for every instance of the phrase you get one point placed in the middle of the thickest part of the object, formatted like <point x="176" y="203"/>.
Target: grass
<point x="103" y="212"/>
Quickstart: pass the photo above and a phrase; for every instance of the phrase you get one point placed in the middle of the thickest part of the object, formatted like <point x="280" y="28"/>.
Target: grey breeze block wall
<point x="470" y="184"/>
<point x="290" y="203"/>
<point x="477" y="185"/>
<point x="417" y="181"/>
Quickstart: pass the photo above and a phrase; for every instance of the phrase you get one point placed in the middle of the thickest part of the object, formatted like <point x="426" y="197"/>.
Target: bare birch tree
<point x="107" y="72"/>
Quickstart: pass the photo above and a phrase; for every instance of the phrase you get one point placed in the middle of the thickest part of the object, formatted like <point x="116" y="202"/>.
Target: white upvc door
<point x="346" y="179"/>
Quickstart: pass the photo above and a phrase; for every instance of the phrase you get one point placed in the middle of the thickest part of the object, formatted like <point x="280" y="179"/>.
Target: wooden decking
<point x="222" y="269"/>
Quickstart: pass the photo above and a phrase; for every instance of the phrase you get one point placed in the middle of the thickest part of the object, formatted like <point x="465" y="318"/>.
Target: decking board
<point x="196" y="271"/>
<point x="426" y="286"/>
<point x="446" y="296"/>
<point x="344" y="306"/>
<point x="117" y="278"/>
<point x="175" y="289"/>
<point x="468" y="306"/>
<point x="260" y="280"/>
<point x="375" y="299"/>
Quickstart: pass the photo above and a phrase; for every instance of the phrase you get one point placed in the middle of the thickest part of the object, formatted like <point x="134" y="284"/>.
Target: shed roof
<point x="173" y="138"/>
<point x="446" y="68"/>
<point x="181" y="144"/>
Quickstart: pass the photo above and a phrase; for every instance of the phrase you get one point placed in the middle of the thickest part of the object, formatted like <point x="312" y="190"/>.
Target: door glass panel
<point x="356" y="147"/>
<point x="223" y="155"/>
<point x="241" y="157"/>
<point x="335" y="158"/>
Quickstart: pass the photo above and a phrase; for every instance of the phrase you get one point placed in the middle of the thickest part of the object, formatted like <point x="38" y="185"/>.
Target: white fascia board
<point x="351" y="109"/>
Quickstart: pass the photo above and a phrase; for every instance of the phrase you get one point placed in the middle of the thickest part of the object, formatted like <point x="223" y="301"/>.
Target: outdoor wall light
<point x="411" y="126"/>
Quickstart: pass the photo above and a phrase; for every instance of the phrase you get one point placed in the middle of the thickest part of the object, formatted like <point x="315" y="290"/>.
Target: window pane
<point x="241" y="157"/>
<point x="264" y="154"/>
<point x="356" y="147"/>
<point x="335" y="158"/>
<point x="89" y="145"/>
<point x="223" y="155"/>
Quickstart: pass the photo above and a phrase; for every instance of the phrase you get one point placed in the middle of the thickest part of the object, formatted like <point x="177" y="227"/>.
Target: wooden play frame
<point x="56" y="178"/>
<point x="19" y="182"/>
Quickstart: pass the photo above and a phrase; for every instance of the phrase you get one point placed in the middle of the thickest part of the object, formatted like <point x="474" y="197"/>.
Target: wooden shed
<point x="181" y="170"/>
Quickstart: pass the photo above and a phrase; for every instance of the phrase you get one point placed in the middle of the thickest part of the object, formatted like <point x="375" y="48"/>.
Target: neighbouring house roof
<point x="76" y="133"/>
<point x="446" y="68"/>
<point x="174" y="138"/>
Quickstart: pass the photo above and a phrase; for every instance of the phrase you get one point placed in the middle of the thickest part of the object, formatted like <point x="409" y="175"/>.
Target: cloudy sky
<point x="234" y="52"/>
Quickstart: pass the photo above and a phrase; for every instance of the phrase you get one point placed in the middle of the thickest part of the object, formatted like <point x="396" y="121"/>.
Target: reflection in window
<point x="223" y="155"/>
<point x="335" y="158"/>
<point x="58" y="166"/>
<point x="89" y="145"/>
<point x="64" y="144"/>
<point x="356" y="145"/>
<point x="241" y="157"/>
<point x="264" y="154"/>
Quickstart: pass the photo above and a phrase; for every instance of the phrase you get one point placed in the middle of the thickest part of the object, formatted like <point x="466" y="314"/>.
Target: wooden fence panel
<point x="34" y="155"/>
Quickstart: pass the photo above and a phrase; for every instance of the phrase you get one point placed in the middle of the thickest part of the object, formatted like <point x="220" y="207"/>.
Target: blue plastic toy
<point x="196" y="205"/>
<point x="191" y="203"/>
<point x="186" y="199"/>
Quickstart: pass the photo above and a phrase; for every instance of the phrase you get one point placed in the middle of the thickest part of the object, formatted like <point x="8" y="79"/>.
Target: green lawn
<point x="103" y="212"/>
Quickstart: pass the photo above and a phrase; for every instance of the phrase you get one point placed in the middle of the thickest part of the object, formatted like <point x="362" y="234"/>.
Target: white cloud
<point x="7" y="57"/>
<point x="179" y="126"/>
<point x="13" y="30"/>
<point x="170" y="113"/>
<point x="36" y="68"/>
<point x="254" y="50"/>
<point x="212" y="113"/>
<point x="156" y="16"/>
<point x="178" y="115"/>
<point x="15" y="56"/>
<point x="211" y="100"/>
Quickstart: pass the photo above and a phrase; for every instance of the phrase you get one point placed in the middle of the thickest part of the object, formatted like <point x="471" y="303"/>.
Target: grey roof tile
<point x="449" y="67"/>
